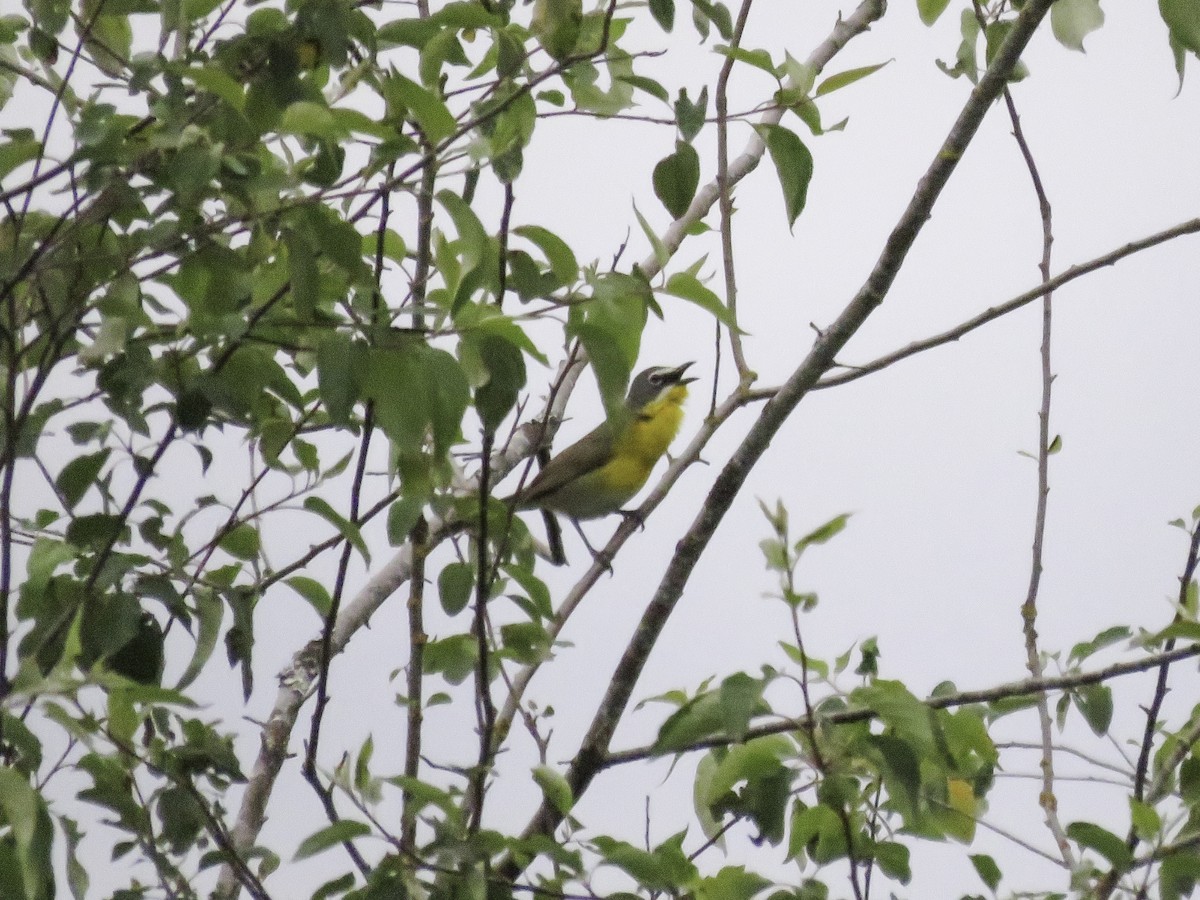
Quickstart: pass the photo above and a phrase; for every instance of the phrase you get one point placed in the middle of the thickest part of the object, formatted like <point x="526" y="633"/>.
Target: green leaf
<point x="689" y="116"/>
<point x="661" y="255"/>
<point x="731" y="883"/>
<point x="1183" y="22"/>
<point x="330" y="836"/>
<point x="472" y="237"/>
<point x="676" y="178"/>
<point x="987" y="870"/>
<point x="558" y="254"/>
<point x="28" y="825"/>
<point x="336" y="379"/>
<point x="817" y="830"/>
<point x="216" y="81"/>
<point x="1107" y="844"/>
<point x="452" y="657"/>
<point x="893" y="860"/>
<point x="823" y="534"/>
<point x="1106" y="638"/>
<point x="181" y="818"/>
<point x="310" y="119"/>
<point x="930" y="10"/>
<point x="348" y="529"/>
<point x="689" y="287"/>
<point x="700" y="718"/>
<point x="646" y="85"/>
<point x="902" y="712"/>
<point x="1178" y="874"/>
<point x="430" y="113"/>
<point x="901" y="770"/>
<point x="449" y="395"/>
<point x="78" y="475"/>
<point x="505" y="366"/>
<point x="1073" y="20"/>
<point x="77" y="876"/>
<point x="740" y="698"/>
<point x="403" y="515"/>
<point x="1146" y="822"/>
<point x="241" y="541"/>
<point x="759" y="59"/>
<point x="794" y="166"/>
<point x="842" y="79"/>
<point x="455" y="582"/>
<point x="209" y="611"/>
<point x="554" y="788"/>
<point x="19" y="149"/>
<point x="665" y="868"/>
<point x="664" y="13"/>
<point x="1095" y="702"/>
<point x="312" y="591"/>
<point x="757" y="760"/>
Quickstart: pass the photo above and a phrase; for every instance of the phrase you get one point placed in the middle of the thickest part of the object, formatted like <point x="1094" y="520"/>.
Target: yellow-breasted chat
<point x="602" y="471"/>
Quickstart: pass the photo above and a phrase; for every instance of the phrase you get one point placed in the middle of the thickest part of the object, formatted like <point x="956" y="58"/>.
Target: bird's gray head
<point x="653" y="382"/>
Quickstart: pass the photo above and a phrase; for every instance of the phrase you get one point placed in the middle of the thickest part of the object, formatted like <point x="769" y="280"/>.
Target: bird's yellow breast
<point x="653" y="430"/>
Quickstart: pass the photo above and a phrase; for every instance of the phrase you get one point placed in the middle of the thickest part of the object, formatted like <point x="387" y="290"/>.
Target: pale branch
<point x="298" y="679"/>
<point x="1028" y="687"/>
<point x="1029" y="609"/>
<point x="725" y="195"/>
<point x="1192" y="226"/>
<point x="819" y="360"/>
<point x="1094" y="761"/>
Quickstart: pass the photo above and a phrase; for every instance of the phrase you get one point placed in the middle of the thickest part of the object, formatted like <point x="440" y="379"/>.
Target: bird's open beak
<point x="677" y="374"/>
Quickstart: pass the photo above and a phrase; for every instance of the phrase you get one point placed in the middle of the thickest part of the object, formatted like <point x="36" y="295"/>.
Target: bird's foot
<point x="635" y="516"/>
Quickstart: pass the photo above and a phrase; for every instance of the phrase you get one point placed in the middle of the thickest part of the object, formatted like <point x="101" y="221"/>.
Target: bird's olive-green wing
<point x="585" y="455"/>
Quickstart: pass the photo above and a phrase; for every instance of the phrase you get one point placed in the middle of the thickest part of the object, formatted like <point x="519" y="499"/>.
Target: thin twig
<point x="853" y="373"/>
<point x="417" y="639"/>
<point x="725" y="204"/>
<point x="1029" y="609"/>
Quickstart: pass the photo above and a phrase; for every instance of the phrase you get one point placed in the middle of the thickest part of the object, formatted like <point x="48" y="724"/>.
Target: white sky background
<point x="935" y="559"/>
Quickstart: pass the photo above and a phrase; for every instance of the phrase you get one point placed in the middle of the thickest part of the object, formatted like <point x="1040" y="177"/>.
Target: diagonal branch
<point x="1191" y="226"/>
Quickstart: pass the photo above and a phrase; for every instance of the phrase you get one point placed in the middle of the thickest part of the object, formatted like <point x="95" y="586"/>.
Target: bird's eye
<point x="656" y="378"/>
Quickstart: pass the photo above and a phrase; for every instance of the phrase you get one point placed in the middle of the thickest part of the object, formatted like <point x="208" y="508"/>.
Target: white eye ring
<point x="656" y="378"/>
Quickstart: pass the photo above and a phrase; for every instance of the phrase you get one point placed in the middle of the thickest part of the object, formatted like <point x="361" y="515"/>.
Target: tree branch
<point x="1028" y="687"/>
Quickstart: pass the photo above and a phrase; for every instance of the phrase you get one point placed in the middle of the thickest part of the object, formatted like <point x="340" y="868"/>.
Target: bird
<point x="602" y="471"/>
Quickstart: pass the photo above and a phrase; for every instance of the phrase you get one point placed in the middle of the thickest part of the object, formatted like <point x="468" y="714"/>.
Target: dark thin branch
<point x="1108" y="883"/>
<point x="485" y="706"/>
<point x="1029" y="687"/>
<point x="417" y="639"/>
<point x="1160" y="687"/>
<point x="853" y="373"/>
<point x="505" y="218"/>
